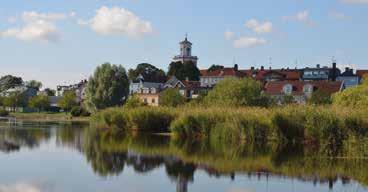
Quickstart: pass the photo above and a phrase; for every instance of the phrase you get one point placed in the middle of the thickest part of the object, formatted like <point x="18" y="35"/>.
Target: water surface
<point x="63" y="157"/>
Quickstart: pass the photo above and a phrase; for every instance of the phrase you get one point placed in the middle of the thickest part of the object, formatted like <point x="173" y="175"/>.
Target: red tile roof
<point x="361" y="73"/>
<point x="225" y="72"/>
<point x="287" y="74"/>
<point x="276" y="87"/>
<point x="190" y="85"/>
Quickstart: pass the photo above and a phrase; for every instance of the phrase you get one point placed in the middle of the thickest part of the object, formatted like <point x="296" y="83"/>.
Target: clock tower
<point x="185" y="52"/>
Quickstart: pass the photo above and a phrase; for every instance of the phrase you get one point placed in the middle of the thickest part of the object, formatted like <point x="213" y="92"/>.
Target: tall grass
<point x="325" y="125"/>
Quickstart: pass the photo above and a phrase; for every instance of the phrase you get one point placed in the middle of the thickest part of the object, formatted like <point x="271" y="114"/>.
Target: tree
<point x="288" y="99"/>
<point x="40" y="102"/>
<point x="235" y="92"/>
<point x="171" y="98"/>
<point x="182" y="71"/>
<point x="50" y="92"/>
<point x="352" y="97"/>
<point x="9" y="81"/>
<point x="149" y="72"/>
<point x="68" y="101"/>
<point x="15" y="100"/>
<point x="215" y="67"/>
<point x="320" y="97"/>
<point x="109" y="86"/>
<point x="34" y="84"/>
<point x="133" y="102"/>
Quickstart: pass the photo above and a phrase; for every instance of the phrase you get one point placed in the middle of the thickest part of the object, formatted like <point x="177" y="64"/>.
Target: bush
<point x="78" y="111"/>
<point x="133" y="102"/>
<point x="3" y="113"/>
<point x="171" y="98"/>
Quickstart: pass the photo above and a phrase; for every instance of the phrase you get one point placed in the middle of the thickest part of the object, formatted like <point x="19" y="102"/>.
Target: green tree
<point x="352" y="97"/>
<point x="68" y="101"/>
<point x="288" y="99"/>
<point x="15" y="100"/>
<point x="109" y="86"/>
<point x="171" y="98"/>
<point x="320" y="97"/>
<point x="9" y="81"/>
<point x="182" y="71"/>
<point x="133" y="102"/>
<point x="50" y="92"/>
<point x="235" y="92"/>
<point x="41" y="102"/>
<point x="149" y="72"/>
<point x="215" y="67"/>
<point x="34" y="84"/>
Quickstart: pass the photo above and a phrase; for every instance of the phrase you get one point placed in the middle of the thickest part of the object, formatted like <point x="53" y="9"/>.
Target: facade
<point x="185" y="53"/>
<point x="189" y="89"/>
<point x="349" y="78"/>
<point x="320" y="73"/>
<point x="209" y="79"/>
<point x="300" y="90"/>
<point x="148" y="92"/>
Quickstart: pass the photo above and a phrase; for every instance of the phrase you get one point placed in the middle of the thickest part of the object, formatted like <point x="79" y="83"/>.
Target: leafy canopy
<point x="171" y="98"/>
<point x="182" y="71"/>
<point x="352" y="97"/>
<point x="235" y="92"/>
<point x="9" y="81"/>
<point x="68" y="101"/>
<point x="34" y="84"/>
<point x="149" y="72"/>
<point x="109" y="86"/>
<point x="40" y="102"/>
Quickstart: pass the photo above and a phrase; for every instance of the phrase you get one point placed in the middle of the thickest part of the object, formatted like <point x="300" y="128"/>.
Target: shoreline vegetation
<point x="324" y="126"/>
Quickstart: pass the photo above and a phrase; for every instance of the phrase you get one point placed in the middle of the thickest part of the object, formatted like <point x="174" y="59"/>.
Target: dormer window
<point x="288" y="89"/>
<point x="308" y="89"/>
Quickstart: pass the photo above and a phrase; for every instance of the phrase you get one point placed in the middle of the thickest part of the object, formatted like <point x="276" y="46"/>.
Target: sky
<point x="62" y="41"/>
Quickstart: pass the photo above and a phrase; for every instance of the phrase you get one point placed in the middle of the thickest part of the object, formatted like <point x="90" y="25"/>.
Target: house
<point x="265" y="75"/>
<point x="189" y="89"/>
<point x="149" y="93"/>
<point x="320" y="73"/>
<point x="79" y="89"/>
<point x="300" y="90"/>
<point x="28" y="92"/>
<point x="209" y="78"/>
<point x="349" y="78"/>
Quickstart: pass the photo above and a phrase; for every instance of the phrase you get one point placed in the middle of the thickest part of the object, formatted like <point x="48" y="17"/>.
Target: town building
<point x="185" y="53"/>
<point x="265" y="75"/>
<point x="301" y="91"/>
<point x="209" y="78"/>
<point x="79" y="89"/>
<point x="349" y="78"/>
<point x="361" y="74"/>
<point x="188" y="89"/>
<point x="320" y="73"/>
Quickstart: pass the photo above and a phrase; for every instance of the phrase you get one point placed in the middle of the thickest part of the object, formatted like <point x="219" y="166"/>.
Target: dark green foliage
<point x="34" y="84"/>
<point x="288" y="99"/>
<point x="41" y="102"/>
<point x="9" y="81"/>
<point x="15" y="100"/>
<point x="3" y="113"/>
<point x="149" y="72"/>
<point x="68" y="101"/>
<point x="215" y="67"/>
<point x="171" y="98"/>
<point x="183" y="71"/>
<point x="78" y="111"/>
<point x="108" y="87"/>
<point x="50" y="92"/>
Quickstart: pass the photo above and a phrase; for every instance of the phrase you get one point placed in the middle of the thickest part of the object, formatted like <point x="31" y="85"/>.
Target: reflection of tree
<point x="180" y="172"/>
<point x="71" y="135"/>
<point x="144" y="164"/>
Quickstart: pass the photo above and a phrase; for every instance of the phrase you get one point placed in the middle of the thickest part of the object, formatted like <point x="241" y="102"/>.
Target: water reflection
<point x="109" y="153"/>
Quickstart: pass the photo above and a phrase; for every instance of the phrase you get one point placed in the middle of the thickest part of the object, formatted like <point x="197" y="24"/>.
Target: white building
<point x="185" y="53"/>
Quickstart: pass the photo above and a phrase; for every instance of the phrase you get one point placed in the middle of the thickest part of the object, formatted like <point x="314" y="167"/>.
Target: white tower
<point x="185" y="52"/>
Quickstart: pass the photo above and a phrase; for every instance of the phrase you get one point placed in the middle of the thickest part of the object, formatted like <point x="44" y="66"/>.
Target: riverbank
<point x="325" y="125"/>
<point x="46" y="117"/>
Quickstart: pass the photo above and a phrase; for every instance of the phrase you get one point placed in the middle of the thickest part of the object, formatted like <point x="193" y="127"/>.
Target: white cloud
<point x="229" y="35"/>
<point x="37" y="27"/>
<point x="259" y="27"/>
<point x="35" y="31"/>
<point x="357" y="2"/>
<point x="338" y="16"/>
<point x="246" y="42"/>
<point x="118" y="21"/>
<point x="302" y="16"/>
<point x="19" y="187"/>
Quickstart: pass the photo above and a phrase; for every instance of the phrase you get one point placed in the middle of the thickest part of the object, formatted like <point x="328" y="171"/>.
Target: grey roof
<point x="151" y="85"/>
<point x="172" y="82"/>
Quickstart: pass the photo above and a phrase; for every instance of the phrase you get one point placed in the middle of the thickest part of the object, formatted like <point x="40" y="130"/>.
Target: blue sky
<point x="62" y="41"/>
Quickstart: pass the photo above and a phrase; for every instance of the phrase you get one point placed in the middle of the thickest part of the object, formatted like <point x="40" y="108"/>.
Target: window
<point x="145" y="100"/>
<point x="153" y="100"/>
<point x="308" y="88"/>
<point x="288" y="89"/>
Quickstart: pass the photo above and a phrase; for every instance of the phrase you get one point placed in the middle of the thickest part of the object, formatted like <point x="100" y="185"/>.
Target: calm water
<point x="58" y="157"/>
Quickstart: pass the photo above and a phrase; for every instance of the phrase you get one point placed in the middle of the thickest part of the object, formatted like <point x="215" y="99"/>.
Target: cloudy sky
<point x="62" y="41"/>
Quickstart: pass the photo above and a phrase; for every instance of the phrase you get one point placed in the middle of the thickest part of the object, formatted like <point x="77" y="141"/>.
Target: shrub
<point x="171" y="98"/>
<point x="133" y="102"/>
<point x="78" y="111"/>
<point x="3" y="113"/>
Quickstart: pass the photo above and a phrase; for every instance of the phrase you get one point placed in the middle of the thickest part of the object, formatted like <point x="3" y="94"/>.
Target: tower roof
<point x="186" y="40"/>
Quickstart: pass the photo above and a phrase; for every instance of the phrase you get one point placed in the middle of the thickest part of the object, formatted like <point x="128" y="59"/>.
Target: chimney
<point x="252" y="68"/>
<point x="347" y="69"/>
<point x="318" y="66"/>
<point x="270" y="68"/>
<point x="236" y="67"/>
<point x="334" y="71"/>
<point x="262" y="68"/>
<point x="186" y="78"/>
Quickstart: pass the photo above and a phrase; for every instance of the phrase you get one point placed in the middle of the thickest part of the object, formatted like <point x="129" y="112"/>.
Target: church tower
<point x="185" y="52"/>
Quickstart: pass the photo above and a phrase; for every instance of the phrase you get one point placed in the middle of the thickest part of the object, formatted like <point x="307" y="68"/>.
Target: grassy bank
<point x="325" y="125"/>
<point x="47" y="117"/>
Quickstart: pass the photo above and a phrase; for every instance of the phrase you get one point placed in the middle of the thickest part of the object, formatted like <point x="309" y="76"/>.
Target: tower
<point x="185" y="52"/>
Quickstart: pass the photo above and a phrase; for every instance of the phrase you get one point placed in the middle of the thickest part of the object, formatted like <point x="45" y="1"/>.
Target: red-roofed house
<point x="300" y="90"/>
<point x="211" y="78"/>
<point x="266" y="75"/>
<point x="361" y="73"/>
<point x="189" y="89"/>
